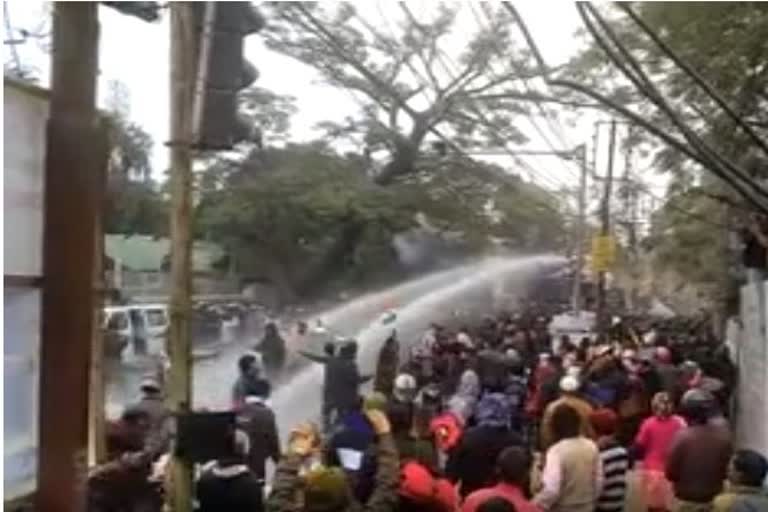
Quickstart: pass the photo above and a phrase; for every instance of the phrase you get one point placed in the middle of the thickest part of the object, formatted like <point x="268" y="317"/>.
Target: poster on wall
<point x="25" y="115"/>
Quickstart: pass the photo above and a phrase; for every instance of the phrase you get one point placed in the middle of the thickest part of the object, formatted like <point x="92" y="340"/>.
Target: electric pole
<point x="605" y="229"/>
<point x="630" y="211"/>
<point x="581" y="229"/>
<point x="183" y="71"/>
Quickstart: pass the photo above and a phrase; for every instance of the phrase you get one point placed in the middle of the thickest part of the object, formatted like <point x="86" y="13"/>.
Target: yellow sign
<point x="603" y="252"/>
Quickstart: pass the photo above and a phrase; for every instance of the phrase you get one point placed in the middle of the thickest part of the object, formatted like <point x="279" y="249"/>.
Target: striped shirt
<point x="615" y="465"/>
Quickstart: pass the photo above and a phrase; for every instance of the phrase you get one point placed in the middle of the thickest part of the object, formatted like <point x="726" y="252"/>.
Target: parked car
<point x="144" y="327"/>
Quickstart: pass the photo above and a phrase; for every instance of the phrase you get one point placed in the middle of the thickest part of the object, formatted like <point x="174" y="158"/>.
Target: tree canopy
<point x="725" y="44"/>
<point x="407" y="87"/>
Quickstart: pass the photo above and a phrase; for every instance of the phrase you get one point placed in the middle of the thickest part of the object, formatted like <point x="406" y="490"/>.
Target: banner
<point x="603" y="252"/>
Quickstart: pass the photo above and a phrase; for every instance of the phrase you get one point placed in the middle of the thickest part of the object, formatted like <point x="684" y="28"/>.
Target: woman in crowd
<point x="652" y="446"/>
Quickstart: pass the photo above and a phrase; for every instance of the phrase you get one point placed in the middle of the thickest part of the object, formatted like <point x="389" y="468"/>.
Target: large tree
<point x="407" y="85"/>
<point x="281" y="213"/>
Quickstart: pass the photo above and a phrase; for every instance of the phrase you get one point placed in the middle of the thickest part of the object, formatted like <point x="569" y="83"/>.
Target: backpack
<point x="421" y="487"/>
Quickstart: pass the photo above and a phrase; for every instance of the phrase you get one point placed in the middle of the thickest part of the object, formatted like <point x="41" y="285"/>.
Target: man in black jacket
<point x="228" y="484"/>
<point x="257" y="420"/>
<point x="342" y="380"/>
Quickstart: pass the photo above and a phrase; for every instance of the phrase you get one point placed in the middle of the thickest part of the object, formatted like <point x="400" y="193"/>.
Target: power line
<point x="442" y="57"/>
<point x="317" y="27"/>
<point x="556" y="130"/>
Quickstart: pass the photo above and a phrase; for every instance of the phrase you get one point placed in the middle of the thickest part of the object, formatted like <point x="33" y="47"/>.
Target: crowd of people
<point x="482" y="418"/>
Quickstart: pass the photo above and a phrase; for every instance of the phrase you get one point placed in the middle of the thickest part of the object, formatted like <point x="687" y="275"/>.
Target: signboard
<point x="603" y="253"/>
<point x="26" y="115"/>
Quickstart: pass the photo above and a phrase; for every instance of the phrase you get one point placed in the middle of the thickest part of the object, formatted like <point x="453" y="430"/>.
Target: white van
<point x="144" y="326"/>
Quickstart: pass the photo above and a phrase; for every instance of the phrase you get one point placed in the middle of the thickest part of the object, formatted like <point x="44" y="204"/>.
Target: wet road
<point x="419" y="302"/>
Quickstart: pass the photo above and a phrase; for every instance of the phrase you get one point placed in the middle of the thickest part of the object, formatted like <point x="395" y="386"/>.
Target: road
<point x="418" y="302"/>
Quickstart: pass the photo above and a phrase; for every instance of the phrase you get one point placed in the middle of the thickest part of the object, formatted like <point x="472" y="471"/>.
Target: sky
<point x="136" y="53"/>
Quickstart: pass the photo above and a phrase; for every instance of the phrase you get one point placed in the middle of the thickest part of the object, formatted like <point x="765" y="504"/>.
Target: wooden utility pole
<point x="97" y="421"/>
<point x="183" y="69"/>
<point x="71" y="207"/>
<point x="576" y="300"/>
<point x="605" y="229"/>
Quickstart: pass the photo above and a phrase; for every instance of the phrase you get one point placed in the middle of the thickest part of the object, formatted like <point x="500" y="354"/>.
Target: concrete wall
<point x="750" y="352"/>
<point x="26" y="113"/>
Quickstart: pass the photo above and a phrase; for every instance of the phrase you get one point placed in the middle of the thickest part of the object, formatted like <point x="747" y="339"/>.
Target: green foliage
<point x="282" y="210"/>
<point x="135" y="204"/>
<point x="685" y="238"/>
<point x="135" y="207"/>
<point x="726" y="43"/>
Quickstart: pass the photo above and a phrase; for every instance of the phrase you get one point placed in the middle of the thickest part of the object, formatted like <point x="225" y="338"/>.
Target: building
<point x="138" y="267"/>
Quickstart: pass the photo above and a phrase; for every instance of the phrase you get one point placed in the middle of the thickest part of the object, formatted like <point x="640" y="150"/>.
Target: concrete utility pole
<point x="183" y="69"/>
<point x="71" y="208"/>
<point x="581" y="232"/>
<point x="630" y="209"/>
<point x="605" y="228"/>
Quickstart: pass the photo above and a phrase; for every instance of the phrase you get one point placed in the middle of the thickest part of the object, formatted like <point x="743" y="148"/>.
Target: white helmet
<point x="405" y="387"/>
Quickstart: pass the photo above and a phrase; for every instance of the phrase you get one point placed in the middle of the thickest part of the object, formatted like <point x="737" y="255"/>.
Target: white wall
<point x="25" y="115"/>
<point x="751" y="357"/>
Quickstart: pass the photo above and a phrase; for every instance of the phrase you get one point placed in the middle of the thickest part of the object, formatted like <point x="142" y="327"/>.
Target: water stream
<point x="432" y="298"/>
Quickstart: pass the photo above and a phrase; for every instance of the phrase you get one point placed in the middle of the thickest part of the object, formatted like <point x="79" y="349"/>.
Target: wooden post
<point x="97" y="420"/>
<point x="71" y="207"/>
<point x="179" y="346"/>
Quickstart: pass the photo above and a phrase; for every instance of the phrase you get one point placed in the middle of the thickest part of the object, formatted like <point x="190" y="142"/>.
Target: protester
<point x="387" y="365"/>
<point x="653" y="444"/>
<point x="258" y="422"/>
<point x="324" y="489"/>
<point x="698" y="458"/>
<point x="569" y="387"/>
<point x="410" y="446"/>
<point x="745" y="492"/>
<point x="249" y="381"/>
<point x="122" y="483"/>
<point x="341" y="382"/>
<point x="513" y="467"/>
<point x="272" y="348"/>
<point x="614" y="460"/>
<point x="472" y="463"/>
<point x="348" y="448"/>
<point x="572" y="478"/>
<point x="229" y="484"/>
<point x="422" y="490"/>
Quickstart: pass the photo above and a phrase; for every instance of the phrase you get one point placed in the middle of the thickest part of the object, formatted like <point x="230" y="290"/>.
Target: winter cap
<point x="604" y="421"/>
<point x="405" y="387"/>
<point x="325" y="489"/>
<point x="493" y="410"/>
<point x="569" y="384"/>
<point x="663" y="355"/>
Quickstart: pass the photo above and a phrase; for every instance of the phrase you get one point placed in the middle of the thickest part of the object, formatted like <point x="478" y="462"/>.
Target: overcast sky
<point x="136" y="53"/>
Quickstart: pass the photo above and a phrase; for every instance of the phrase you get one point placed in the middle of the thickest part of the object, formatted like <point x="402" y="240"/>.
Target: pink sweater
<point x="654" y="439"/>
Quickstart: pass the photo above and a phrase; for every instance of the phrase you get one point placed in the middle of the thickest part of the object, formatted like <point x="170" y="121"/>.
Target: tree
<point x="690" y="229"/>
<point x="277" y="216"/>
<point x="135" y="205"/>
<point x="281" y="212"/>
<point x="410" y="87"/>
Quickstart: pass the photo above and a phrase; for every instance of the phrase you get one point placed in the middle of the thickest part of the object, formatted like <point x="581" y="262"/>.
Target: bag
<point x="420" y="486"/>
